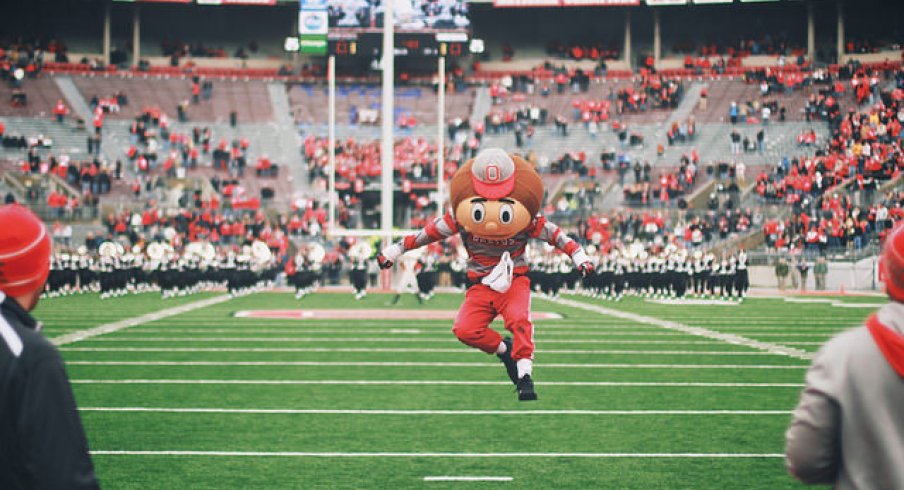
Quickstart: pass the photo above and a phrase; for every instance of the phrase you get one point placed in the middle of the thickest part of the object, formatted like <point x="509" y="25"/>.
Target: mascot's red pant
<point x="482" y="305"/>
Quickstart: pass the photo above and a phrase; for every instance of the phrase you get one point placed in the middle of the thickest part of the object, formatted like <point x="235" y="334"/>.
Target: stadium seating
<point x="248" y="98"/>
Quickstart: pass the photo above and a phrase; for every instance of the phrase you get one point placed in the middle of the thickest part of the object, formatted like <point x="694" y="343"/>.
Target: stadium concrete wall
<point x="848" y="276"/>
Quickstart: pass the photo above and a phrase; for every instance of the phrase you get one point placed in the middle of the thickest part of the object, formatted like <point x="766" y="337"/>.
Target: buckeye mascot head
<point x="495" y="195"/>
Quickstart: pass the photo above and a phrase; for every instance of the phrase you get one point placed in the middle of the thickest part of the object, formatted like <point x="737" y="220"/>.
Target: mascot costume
<point x="495" y="199"/>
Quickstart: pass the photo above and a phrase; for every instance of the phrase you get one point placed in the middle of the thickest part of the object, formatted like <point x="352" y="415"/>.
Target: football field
<point x="211" y="392"/>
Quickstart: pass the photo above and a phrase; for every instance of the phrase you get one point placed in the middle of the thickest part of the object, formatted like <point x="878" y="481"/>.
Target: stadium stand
<point x="248" y="99"/>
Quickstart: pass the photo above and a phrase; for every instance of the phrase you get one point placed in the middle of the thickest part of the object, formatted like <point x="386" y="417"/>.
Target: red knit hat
<point x="893" y="263"/>
<point x="24" y="251"/>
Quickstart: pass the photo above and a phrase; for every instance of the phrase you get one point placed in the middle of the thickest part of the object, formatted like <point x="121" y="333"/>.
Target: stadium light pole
<point x="106" y="33"/>
<point x="136" y="34"/>
<point x="839" y="37"/>
<point x="657" y="38"/>
<point x="811" y="33"/>
<point x="386" y="148"/>
<point x="440" y="134"/>
<point x="331" y="129"/>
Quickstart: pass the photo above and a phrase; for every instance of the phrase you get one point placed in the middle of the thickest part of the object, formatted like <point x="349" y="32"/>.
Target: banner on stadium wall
<point x="154" y="1"/>
<point x="314" y="4"/>
<point x="599" y="3"/>
<point x="313" y="27"/>
<point x="236" y="2"/>
<point x="656" y="3"/>
<point x="313" y="22"/>
<point x="704" y="2"/>
<point x="565" y="3"/>
<point x="312" y="44"/>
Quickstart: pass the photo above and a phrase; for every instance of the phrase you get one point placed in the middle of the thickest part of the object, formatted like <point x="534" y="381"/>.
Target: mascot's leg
<point x="471" y="327"/>
<point x="514" y="305"/>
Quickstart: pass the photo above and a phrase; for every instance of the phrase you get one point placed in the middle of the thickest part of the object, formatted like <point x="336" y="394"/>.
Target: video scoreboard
<point x="406" y="44"/>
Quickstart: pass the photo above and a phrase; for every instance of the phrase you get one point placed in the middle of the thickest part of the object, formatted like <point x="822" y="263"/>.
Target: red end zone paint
<point x="369" y="314"/>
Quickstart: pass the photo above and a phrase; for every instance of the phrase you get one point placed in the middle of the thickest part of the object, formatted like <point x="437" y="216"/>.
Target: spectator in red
<point x="60" y="110"/>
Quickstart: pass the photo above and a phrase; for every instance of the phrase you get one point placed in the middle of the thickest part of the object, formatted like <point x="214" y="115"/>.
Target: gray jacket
<point x="848" y="428"/>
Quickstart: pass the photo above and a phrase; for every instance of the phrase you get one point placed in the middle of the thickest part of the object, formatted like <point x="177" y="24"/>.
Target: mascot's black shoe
<point x="510" y="367"/>
<point x="526" y="389"/>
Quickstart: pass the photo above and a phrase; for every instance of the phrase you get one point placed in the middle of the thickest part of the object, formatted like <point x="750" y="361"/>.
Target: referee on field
<point x="42" y="443"/>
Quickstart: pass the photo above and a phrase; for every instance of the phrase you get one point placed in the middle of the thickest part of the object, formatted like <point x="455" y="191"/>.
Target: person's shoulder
<point x="846" y="343"/>
<point x="37" y="346"/>
<point x="26" y="343"/>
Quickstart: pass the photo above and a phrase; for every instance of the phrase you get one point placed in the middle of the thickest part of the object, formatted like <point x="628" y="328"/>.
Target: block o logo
<point x="491" y="173"/>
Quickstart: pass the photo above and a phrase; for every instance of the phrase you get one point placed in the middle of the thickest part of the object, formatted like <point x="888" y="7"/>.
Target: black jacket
<point x="42" y="442"/>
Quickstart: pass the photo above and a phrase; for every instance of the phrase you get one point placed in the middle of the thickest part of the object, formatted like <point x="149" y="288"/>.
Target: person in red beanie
<point x="848" y="428"/>
<point x="42" y="442"/>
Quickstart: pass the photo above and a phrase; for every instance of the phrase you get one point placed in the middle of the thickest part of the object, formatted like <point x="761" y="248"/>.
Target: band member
<point x="742" y="279"/>
<point x="358" y="256"/>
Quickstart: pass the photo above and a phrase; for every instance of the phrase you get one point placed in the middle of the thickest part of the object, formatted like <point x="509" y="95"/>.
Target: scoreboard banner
<point x="236" y="2"/>
<point x="406" y="44"/>
<point x="155" y="1"/>
<point x="565" y="3"/>
<point x="527" y="3"/>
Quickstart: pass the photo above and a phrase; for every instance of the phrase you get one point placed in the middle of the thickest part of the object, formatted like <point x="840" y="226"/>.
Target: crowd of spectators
<point x="414" y="160"/>
<point x="21" y="59"/>
<point x="91" y="177"/>
<point x="740" y="48"/>
<point x="689" y="229"/>
<point x="834" y="224"/>
<point x="176" y="50"/>
<point x="670" y="184"/>
<point x="581" y="51"/>
<point x="832" y="192"/>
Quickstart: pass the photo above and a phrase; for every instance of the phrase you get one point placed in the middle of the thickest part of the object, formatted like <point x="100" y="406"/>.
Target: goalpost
<point x="387" y="143"/>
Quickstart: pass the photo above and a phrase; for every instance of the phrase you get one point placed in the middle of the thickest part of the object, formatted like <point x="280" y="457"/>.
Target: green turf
<point x="211" y="347"/>
<point x="77" y="312"/>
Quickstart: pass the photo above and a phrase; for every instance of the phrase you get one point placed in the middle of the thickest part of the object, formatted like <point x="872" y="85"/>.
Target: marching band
<point x="669" y="274"/>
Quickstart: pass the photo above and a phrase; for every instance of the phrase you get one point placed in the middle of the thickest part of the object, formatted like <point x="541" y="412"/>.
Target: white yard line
<point x="293" y="411"/>
<point x="432" y="340"/>
<point x="318" y="339"/>
<point x="292" y="454"/>
<point x="432" y="364"/>
<point x="424" y="350"/>
<point x="450" y="339"/>
<point x="468" y="478"/>
<point x="131" y="322"/>
<point x="418" y="382"/>
<point x="697" y="331"/>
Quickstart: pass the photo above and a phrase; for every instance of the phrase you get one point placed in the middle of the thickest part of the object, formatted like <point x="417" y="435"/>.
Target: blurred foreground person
<point x="42" y="442"/>
<point x="848" y="429"/>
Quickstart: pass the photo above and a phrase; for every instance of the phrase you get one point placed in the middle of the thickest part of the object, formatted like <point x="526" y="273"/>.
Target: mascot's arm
<point x="550" y="233"/>
<point x="438" y="229"/>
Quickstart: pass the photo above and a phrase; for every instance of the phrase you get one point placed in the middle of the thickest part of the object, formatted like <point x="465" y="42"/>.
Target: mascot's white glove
<point x="582" y="262"/>
<point x="500" y="278"/>
<point x="389" y="255"/>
